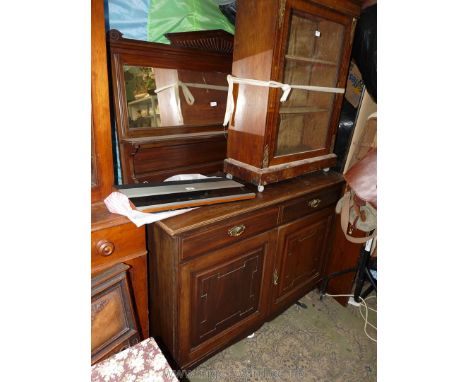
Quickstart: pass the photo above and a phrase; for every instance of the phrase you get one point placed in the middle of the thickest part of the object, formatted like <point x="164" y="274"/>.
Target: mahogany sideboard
<point x="217" y="273"/>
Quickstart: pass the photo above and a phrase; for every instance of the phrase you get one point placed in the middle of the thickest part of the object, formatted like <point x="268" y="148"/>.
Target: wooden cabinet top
<point x="272" y="195"/>
<point x="101" y="218"/>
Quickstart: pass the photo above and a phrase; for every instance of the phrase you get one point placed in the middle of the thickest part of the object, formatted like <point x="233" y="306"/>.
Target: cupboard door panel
<point x="226" y="294"/>
<point x="223" y="293"/>
<point x="300" y="258"/>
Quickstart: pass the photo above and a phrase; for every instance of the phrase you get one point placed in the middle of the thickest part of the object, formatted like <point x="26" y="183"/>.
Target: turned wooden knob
<point x="105" y="248"/>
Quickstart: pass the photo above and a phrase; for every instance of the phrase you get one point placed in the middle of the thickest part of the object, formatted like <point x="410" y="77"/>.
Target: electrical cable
<point x="366" y="322"/>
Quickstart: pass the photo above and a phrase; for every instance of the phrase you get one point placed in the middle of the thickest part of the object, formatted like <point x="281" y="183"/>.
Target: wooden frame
<point x="148" y="54"/>
<point x="114" y="239"/>
<point x="153" y="154"/>
<point x="100" y="118"/>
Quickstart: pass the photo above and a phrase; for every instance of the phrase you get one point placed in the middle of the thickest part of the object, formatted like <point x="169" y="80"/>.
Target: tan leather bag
<point x="362" y="178"/>
<point x="358" y="206"/>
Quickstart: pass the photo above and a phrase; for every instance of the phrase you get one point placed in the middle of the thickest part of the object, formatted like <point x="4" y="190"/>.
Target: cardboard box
<point x="354" y="85"/>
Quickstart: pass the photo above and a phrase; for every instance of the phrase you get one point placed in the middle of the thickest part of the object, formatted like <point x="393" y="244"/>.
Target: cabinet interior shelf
<point x="301" y="110"/>
<point x="310" y="60"/>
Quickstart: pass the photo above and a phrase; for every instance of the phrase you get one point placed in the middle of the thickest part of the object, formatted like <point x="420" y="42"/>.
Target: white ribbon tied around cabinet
<point x="286" y="88"/>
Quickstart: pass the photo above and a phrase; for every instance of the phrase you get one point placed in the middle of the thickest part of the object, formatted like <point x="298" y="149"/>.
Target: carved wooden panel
<point x="213" y="40"/>
<point x="113" y="324"/>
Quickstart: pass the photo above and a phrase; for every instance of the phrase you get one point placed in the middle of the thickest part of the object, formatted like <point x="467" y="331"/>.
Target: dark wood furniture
<point x="216" y="40"/>
<point x="216" y="274"/>
<point x="113" y="325"/>
<point x="163" y="134"/>
<point x="114" y="239"/>
<point x="344" y="255"/>
<point x="297" y="42"/>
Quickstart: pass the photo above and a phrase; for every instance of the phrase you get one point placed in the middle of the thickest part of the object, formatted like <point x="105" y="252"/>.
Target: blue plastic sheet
<point x="130" y="17"/>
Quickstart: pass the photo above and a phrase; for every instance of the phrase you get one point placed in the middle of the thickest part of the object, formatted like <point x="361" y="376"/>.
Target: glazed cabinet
<point x="305" y="45"/>
<point x="217" y="273"/>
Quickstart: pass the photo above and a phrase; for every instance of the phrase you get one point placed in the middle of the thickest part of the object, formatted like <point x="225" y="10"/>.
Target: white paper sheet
<point x="118" y="203"/>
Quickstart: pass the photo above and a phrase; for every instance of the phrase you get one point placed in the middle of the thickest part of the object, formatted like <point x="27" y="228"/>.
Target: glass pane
<point x="312" y="58"/>
<point x="185" y="97"/>
<point x="304" y="128"/>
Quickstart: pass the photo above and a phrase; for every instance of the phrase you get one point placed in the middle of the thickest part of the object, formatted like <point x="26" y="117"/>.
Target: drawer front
<point x="310" y="203"/>
<point x="113" y="243"/>
<point x="228" y="232"/>
<point x="156" y="161"/>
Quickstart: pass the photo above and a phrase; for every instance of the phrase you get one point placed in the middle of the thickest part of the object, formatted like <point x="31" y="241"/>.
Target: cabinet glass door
<point x="313" y="57"/>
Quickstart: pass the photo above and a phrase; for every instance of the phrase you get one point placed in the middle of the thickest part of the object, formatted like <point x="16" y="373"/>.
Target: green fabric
<point x="169" y="16"/>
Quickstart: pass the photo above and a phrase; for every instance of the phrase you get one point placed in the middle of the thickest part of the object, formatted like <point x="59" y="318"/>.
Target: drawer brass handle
<point x="313" y="203"/>
<point x="105" y="248"/>
<point x="237" y="230"/>
<point x="275" y="277"/>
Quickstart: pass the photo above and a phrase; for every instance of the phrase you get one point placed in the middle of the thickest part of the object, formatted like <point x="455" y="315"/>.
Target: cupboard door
<point x="314" y="51"/>
<point x="302" y="247"/>
<point x="313" y="55"/>
<point x="223" y="294"/>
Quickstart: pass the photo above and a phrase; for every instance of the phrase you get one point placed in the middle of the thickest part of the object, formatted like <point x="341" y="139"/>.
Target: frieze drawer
<point x="228" y="232"/>
<point x="113" y="243"/>
<point x="310" y="203"/>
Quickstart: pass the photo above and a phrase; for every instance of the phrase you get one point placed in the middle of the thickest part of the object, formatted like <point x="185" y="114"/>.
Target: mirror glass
<point x="161" y="97"/>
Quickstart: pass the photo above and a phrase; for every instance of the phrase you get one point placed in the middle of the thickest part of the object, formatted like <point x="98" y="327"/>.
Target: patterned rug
<point x="325" y="342"/>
